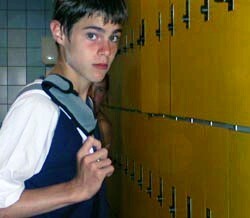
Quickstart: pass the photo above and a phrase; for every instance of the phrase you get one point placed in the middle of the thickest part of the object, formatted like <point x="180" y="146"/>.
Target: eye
<point x="91" y="36"/>
<point x="115" y="38"/>
<point x="100" y="89"/>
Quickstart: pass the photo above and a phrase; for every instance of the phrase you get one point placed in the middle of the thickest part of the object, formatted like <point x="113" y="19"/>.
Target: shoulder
<point x="104" y="123"/>
<point x="32" y="103"/>
<point x="101" y="117"/>
<point x="34" y="98"/>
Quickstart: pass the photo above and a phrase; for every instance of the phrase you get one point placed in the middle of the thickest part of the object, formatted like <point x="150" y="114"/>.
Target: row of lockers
<point x="196" y="171"/>
<point x="200" y="71"/>
<point x="197" y="69"/>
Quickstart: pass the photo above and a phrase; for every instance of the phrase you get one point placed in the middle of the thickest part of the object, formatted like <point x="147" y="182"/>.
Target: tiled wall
<point x="22" y="24"/>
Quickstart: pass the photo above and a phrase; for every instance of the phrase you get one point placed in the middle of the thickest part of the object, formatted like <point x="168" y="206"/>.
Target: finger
<point x="87" y="145"/>
<point x="101" y="154"/>
<point x="103" y="163"/>
<point x="108" y="171"/>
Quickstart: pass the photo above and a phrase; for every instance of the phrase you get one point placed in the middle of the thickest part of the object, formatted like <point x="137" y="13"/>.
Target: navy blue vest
<point x="60" y="166"/>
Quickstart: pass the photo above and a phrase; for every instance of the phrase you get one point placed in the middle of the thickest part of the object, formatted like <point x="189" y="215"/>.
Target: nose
<point x="105" y="48"/>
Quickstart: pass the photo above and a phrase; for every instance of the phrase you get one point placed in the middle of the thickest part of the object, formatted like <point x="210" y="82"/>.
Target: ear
<point x="57" y="31"/>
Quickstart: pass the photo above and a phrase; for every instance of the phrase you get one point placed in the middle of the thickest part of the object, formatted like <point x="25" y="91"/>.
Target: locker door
<point x="210" y="64"/>
<point x="166" y="150"/>
<point x="235" y="62"/>
<point x="142" y="150"/>
<point x="188" y="169"/>
<point x="131" y="52"/>
<point x="190" y="52"/>
<point x="195" y="188"/>
<point x="181" y="165"/>
<point x="217" y="150"/>
<point x="240" y="175"/>
<point x="115" y="91"/>
<point x="115" y="182"/>
<point x="164" y="16"/>
<point x="149" y="54"/>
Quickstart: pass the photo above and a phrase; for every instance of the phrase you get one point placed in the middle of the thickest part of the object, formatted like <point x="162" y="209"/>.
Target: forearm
<point x="42" y="200"/>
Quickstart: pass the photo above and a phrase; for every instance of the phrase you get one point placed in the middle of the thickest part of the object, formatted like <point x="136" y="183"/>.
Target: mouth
<point x="101" y="66"/>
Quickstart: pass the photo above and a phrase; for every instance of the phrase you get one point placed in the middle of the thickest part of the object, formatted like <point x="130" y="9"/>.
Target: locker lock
<point x="205" y="10"/>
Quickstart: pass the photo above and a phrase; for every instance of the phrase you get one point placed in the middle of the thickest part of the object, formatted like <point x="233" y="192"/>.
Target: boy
<point x="47" y="167"/>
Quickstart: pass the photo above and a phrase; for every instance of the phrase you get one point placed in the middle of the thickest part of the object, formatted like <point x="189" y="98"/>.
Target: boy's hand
<point x="91" y="169"/>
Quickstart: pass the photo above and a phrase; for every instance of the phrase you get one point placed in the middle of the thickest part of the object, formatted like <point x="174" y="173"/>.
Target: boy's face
<point x="91" y="47"/>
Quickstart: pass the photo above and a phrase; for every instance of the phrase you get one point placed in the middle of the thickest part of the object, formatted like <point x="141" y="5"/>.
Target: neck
<point x="79" y="84"/>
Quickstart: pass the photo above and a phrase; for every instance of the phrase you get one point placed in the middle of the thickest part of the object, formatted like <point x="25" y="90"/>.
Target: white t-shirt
<point x="25" y="139"/>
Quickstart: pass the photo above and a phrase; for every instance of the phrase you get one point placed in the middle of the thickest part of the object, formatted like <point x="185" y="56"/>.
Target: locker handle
<point x="141" y="40"/>
<point x="186" y="17"/>
<point x="160" y="197"/>
<point x="119" y="162"/>
<point x="208" y="213"/>
<point x="189" y="207"/>
<point x="230" y="4"/>
<point x="171" y="24"/>
<point x="132" y="175"/>
<point x="140" y="180"/>
<point x="132" y="36"/>
<point x="205" y="10"/>
<point x="126" y="47"/>
<point x="126" y="166"/>
<point x="158" y="31"/>
<point x="172" y="208"/>
<point x="149" y="189"/>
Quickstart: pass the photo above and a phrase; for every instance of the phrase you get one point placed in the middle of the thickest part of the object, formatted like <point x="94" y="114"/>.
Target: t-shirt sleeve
<point x="25" y="139"/>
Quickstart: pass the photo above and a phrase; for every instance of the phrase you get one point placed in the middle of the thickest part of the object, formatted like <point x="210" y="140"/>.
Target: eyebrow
<point x="99" y="29"/>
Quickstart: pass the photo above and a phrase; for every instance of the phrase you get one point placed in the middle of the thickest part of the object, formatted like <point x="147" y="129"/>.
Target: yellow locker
<point x="140" y="150"/>
<point x="164" y="19"/>
<point x="115" y="198"/>
<point x="165" y="149"/>
<point x="149" y="141"/>
<point x="131" y="57"/>
<point x="115" y="91"/>
<point x="125" y="71"/>
<point x="195" y="178"/>
<point x="188" y="169"/>
<point x="149" y="56"/>
<point x="209" y="63"/>
<point x="236" y="61"/>
<point x="190" y="61"/>
<point x="217" y="159"/>
<point x="143" y="205"/>
<point x="240" y="175"/>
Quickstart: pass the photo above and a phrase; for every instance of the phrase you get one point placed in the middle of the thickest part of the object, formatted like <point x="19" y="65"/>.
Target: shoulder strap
<point x="62" y="93"/>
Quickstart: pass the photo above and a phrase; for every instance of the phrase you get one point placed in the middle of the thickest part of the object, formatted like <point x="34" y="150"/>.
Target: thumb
<point x="88" y="144"/>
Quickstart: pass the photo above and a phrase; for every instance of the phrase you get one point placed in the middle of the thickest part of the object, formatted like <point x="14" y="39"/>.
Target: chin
<point x="99" y="77"/>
